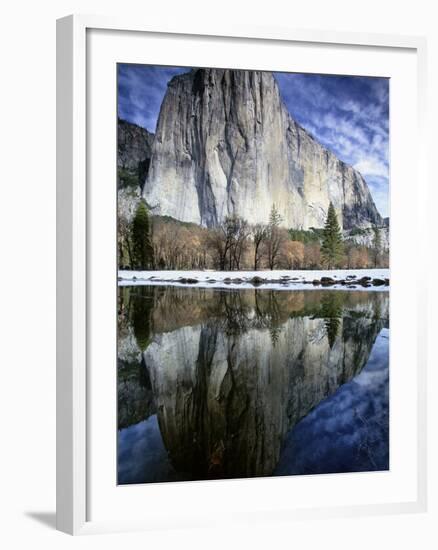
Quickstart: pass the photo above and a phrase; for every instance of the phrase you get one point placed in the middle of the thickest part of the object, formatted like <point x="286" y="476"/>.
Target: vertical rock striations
<point x="226" y="144"/>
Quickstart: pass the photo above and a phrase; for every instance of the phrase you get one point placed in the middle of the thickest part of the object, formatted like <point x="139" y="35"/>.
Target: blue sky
<point x="347" y="114"/>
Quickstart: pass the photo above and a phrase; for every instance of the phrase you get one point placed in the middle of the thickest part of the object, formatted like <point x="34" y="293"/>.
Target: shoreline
<point x="345" y="279"/>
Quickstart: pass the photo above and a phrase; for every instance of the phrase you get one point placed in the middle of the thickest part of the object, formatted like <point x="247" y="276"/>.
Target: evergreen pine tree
<point x="141" y="238"/>
<point x="275" y="217"/>
<point x="332" y="247"/>
<point x="274" y="238"/>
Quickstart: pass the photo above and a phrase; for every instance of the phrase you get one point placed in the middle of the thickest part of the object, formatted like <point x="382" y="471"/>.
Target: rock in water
<point x="226" y="144"/>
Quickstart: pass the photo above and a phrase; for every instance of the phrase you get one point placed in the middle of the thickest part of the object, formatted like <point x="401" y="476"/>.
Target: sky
<point x="347" y="114"/>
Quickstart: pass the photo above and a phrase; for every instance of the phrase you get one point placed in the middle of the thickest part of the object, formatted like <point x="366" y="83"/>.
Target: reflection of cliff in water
<point x="229" y="373"/>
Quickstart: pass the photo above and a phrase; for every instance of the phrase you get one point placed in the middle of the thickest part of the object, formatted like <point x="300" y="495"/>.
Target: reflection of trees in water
<point x="377" y="310"/>
<point x="122" y="309"/>
<point x="135" y="396"/>
<point x="237" y="315"/>
<point x="269" y="312"/>
<point x="331" y="310"/>
<point x="234" y="313"/>
<point x="141" y="304"/>
<point x="224" y="400"/>
<point x="275" y="334"/>
<point x="144" y="379"/>
<point x="161" y="309"/>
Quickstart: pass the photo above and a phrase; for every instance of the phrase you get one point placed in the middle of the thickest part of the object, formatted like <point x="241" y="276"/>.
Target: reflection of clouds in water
<point x="142" y="456"/>
<point x="227" y="394"/>
<point x="349" y="431"/>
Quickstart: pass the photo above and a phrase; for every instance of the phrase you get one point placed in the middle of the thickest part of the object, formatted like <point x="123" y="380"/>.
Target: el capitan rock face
<point x="225" y="144"/>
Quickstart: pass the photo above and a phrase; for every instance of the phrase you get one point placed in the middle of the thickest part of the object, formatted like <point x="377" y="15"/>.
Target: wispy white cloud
<point x="141" y="89"/>
<point x="349" y="116"/>
<point x="372" y="167"/>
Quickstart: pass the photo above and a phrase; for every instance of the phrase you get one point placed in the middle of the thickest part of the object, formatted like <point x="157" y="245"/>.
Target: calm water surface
<point x="241" y="383"/>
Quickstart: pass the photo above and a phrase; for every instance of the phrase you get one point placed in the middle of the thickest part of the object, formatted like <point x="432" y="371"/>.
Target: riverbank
<point x="349" y="279"/>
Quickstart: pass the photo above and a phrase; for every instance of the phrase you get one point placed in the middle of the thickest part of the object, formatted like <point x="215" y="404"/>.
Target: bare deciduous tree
<point x="124" y="244"/>
<point x="293" y="254"/>
<point x="312" y="256"/>
<point x="259" y="232"/>
<point x="240" y="234"/>
<point x="229" y="241"/>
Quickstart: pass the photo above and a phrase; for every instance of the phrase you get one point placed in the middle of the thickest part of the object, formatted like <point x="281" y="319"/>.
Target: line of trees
<point x="164" y="243"/>
<point x="234" y="243"/>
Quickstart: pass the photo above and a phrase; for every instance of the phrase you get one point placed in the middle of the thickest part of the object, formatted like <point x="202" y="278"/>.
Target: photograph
<point x="225" y="259"/>
<point x="253" y="280"/>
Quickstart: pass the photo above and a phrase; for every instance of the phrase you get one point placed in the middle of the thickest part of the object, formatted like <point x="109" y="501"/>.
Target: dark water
<point x="242" y="383"/>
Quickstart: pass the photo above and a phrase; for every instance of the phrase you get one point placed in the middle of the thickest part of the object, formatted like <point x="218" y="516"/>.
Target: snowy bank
<point x="359" y="279"/>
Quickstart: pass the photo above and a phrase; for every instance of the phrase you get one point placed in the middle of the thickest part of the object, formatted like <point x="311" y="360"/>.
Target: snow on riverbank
<point x="359" y="279"/>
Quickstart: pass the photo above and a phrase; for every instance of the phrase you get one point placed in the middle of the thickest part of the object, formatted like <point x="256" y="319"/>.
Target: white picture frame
<point x="73" y="272"/>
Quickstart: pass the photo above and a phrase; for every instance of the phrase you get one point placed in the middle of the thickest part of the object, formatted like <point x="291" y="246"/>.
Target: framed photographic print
<point x="240" y="327"/>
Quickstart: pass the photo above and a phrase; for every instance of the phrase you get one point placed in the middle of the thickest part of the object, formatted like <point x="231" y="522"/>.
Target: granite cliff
<point x="226" y="144"/>
<point x="134" y="150"/>
<point x="366" y="237"/>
